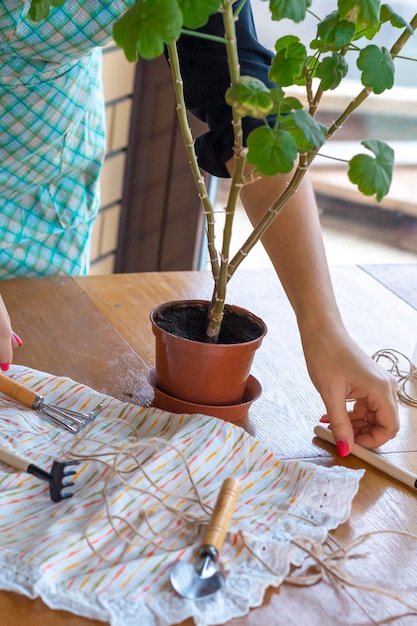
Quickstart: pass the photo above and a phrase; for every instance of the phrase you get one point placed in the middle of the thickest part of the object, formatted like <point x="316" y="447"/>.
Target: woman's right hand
<point x="8" y="339"/>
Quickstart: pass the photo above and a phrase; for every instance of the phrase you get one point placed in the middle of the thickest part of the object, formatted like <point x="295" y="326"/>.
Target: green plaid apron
<point x="51" y="134"/>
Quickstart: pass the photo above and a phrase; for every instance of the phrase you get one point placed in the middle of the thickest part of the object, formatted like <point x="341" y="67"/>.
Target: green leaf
<point x="377" y="68"/>
<point x="39" y="9"/>
<point x="389" y="15"/>
<point x="291" y="104"/>
<point x="335" y="33"/>
<point x="331" y="71"/>
<point x="288" y="64"/>
<point x="251" y="97"/>
<point x="284" y="42"/>
<point x="271" y="151"/>
<point x="373" y="175"/>
<point x="196" y="14"/>
<point x="294" y="10"/>
<point x="281" y="103"/>
<point x="314" y="132"/>
<point x="277" y="97"/>
<point x="365" y="13"/>
<point x="306" y="132"/>
<point x="146" y="27"/>
<point x="367" y="33"/>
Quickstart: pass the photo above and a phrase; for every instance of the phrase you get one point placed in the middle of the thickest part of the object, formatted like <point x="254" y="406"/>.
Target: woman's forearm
<point x="338" y="368"/>
<point x="294" y="243"/>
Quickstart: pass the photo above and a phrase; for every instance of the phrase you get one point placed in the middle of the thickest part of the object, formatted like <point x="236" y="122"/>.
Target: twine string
<point x="330" y="562"/>
<point x="329" y="557"/>
<point x="391" y="359"/>
<point x="120" y="461"/>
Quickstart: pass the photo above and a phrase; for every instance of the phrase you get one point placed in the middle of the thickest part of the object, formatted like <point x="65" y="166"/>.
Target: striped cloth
<point x="52" y="134"/>
<point x="44" y="550"/>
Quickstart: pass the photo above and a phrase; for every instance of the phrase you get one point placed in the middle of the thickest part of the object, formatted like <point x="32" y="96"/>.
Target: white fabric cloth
<point x="43" y="547"/>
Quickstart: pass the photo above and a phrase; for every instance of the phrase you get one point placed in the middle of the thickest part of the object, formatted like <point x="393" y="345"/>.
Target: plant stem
<point x="305" y="161"/>
<point x="189" y="144"/>
<point x="215" y="314"/>
<point x="269" y="217"/>
<point x="403" y="38"/>
<point x="223" y="271"/>
<point x="216" y="309"/>
<point x="196" y="33"/>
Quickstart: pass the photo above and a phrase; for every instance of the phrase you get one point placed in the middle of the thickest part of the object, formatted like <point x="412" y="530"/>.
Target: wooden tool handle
<point x="13" y="460"/>
<point x="222" y="514"/>
<point x="17" y="392"/>
<point x="376" y="460"/>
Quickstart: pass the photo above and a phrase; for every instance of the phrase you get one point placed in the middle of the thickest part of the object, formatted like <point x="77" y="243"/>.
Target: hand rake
<point x="56" y="477"/>
<point x="71" y="420"/>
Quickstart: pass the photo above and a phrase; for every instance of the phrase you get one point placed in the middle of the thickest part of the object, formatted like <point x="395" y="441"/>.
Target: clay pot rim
<point x="236" y="308"/>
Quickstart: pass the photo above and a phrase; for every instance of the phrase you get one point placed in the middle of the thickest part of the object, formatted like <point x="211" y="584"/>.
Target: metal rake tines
<point x="73" y="421"/>
<point x="56" y="477"/>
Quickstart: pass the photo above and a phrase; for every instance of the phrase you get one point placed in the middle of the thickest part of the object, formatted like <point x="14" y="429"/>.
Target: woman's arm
<point x="338" y="368"/>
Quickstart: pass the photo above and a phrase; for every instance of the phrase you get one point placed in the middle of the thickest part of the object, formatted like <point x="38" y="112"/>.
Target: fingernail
<point x="324" y="420"/>
<point x="342" y="448"/>
<point x="4" y="366"/>
<point x="17" y="338"/>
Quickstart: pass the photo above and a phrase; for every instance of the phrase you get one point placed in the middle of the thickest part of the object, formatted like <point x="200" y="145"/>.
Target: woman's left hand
<point x="342" y="372"/>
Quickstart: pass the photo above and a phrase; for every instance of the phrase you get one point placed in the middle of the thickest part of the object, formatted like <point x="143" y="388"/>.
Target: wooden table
<point x="96" y="330"/>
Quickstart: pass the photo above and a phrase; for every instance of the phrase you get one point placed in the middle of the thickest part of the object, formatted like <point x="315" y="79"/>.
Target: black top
<point x="206" y="78"/>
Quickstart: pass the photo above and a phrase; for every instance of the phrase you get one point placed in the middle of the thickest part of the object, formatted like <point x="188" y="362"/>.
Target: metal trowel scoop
<point x="203" y="579"/>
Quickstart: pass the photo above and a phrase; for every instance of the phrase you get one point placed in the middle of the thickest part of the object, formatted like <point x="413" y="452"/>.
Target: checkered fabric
<point x="52" y="139"/>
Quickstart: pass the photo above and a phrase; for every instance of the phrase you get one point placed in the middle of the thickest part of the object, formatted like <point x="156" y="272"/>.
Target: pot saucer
<point x="229" y="413"/>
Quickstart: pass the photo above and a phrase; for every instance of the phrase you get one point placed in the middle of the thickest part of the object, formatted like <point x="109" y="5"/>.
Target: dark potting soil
<point x="189" y="322"/>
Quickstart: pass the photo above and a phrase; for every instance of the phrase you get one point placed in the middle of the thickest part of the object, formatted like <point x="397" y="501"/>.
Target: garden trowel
<point x="203" y="578"/>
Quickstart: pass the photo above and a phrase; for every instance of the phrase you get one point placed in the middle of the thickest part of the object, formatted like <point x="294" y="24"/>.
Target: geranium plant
<point x="291" y="143"/>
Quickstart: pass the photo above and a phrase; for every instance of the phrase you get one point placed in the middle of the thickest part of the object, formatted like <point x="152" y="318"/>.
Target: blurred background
<point x="358" y="229"/>
<point x="150" y="217"/>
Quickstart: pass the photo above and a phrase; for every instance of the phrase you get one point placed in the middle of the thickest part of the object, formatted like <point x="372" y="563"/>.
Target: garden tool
<point x="71" y="420"/>
<point x="56" y="477"/>
<point x="203" y="578"/>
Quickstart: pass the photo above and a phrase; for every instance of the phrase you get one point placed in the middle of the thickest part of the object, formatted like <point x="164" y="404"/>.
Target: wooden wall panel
<point x="161" y="222"/>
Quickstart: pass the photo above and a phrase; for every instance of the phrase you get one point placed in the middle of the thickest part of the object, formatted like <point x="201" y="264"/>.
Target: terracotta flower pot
<point x="198" y="372"/>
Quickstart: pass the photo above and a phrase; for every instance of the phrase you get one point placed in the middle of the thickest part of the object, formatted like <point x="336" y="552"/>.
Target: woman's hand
<point x="337" y="366"/>
<point x="8" y="339"/>
<point x="341" y="371"/>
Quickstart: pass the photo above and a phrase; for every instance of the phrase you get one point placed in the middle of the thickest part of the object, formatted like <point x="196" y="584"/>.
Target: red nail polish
<point x="342" y="448"/>
<point x="324" y="420"/>
<point x="17" y="338"/>
<point x="4" y="366"/>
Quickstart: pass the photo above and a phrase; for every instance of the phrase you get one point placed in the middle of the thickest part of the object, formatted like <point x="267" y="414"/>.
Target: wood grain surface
<point x="96" y="330"/>
<point x="400" y="279"/>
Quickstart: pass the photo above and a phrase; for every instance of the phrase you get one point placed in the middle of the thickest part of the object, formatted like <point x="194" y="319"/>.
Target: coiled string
<point x="403" y="370"/>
